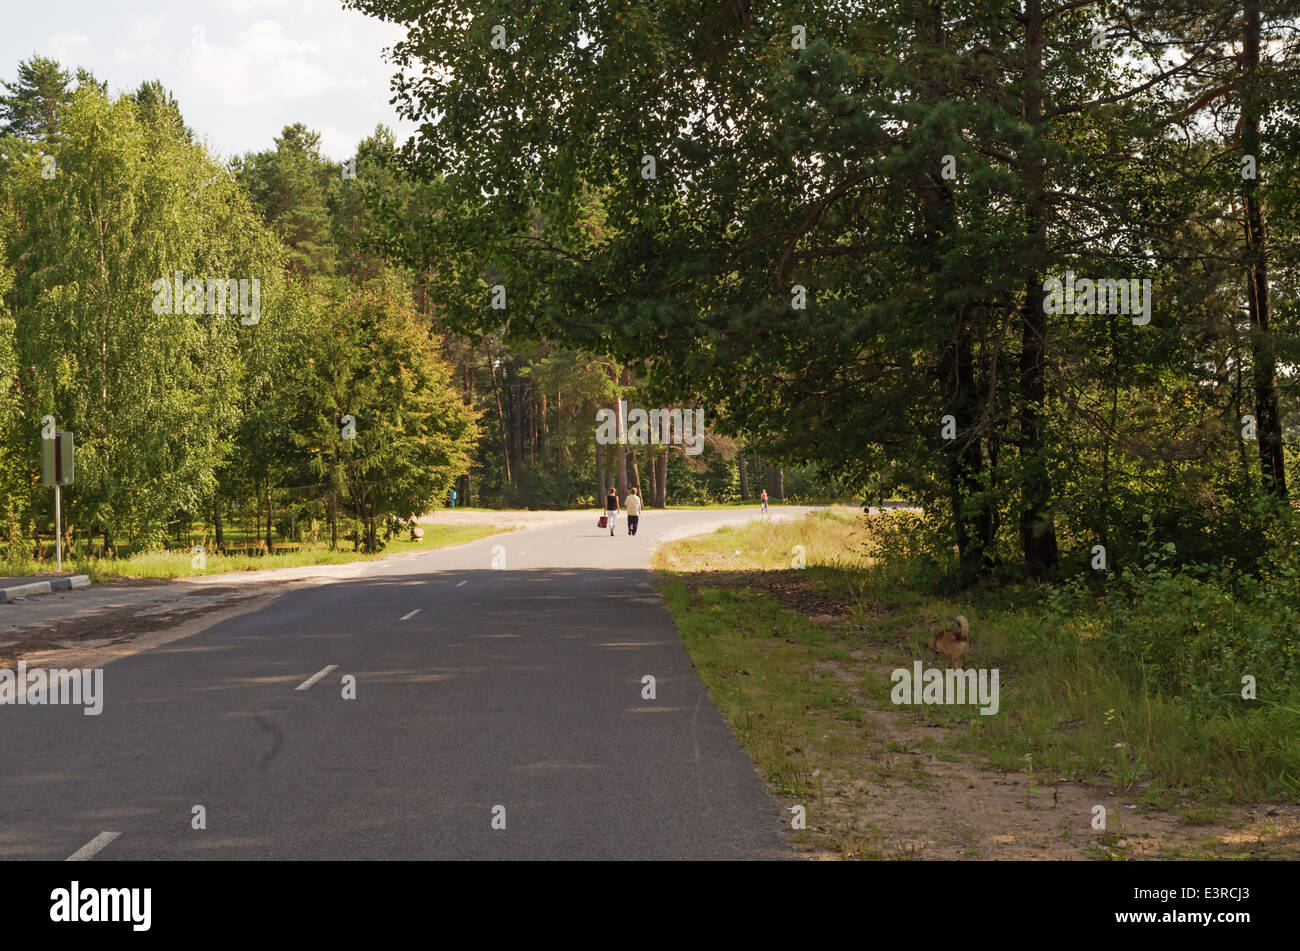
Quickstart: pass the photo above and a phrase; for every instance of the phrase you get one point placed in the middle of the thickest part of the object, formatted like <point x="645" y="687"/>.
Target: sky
<point x="241" y="69"/>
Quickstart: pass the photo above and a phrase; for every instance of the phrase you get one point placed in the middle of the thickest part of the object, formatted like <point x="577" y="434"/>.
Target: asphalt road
<point x="476" y="687"/>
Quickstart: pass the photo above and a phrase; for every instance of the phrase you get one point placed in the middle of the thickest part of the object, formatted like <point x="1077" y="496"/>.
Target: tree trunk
<point x="776" y="482"/>
<point x="661" y="480"/>
<point x="1037" y="527"/>
<point x="972" y="520"/>
<point x="216" y="519"/>
<point x="334" y="491"/>
<point x="634" y="476"/>
<point x="625" y="380"/>
<point x="561" y="450"/>
<point x="973" y="524"/>
<point x="651" y="493"/>
<point x="601" y="484"/>
<point x="334" y="518"/>
<point x="516" y="419"/>
<point x="529" y="400"/>
<point x="744" y="478"/>
<point x="501" y="419"/>
<point x="1268" y="425"/>
<point x="270" y="512"/>
<point x="541" y="432"/>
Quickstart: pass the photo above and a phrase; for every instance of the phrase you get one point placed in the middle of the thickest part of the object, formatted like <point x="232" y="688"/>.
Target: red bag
<point x="602" y="522"/>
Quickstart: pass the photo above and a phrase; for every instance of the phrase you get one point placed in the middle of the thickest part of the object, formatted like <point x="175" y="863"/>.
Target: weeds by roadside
<point x="800" y="662"/>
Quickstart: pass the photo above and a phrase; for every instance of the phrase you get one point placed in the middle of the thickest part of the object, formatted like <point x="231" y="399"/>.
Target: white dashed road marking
<point x="315" y="677"/>
<point x="95" y="845"/>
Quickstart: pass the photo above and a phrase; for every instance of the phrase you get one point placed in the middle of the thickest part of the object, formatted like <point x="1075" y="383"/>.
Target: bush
<point x="909" y="549"/>
<point x="1190" y="630"/>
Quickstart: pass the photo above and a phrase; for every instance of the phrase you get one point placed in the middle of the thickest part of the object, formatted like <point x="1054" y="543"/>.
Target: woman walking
<point x="611" y="508"/>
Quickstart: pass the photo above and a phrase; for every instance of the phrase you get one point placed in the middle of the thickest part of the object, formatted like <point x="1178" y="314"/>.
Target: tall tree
<point x="145" y="376"/>
<point x="32" y="102"/>
<point x="291" y="185"/>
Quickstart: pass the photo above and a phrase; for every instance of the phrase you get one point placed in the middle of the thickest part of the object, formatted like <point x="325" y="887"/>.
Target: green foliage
<point x="148" y="394"/>
<point x="1190" y="630"/>
<point x="291" y="185"/>
<point x="183" y="414"/>
<point x="31" y="108"/>
<point x="909" y="550"/>
<point x="823" y="167"/>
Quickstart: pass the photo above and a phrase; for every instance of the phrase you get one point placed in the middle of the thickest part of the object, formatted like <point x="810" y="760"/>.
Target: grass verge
<point x="181" y="564"/>
<point x="800" y="663"/>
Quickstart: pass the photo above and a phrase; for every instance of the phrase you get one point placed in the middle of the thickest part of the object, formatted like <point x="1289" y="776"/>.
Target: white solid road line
<point x="95" y="845"/>
<point x="407" y="617"/>
<point x="463" y="582"/>
<point x="315" y="677"/>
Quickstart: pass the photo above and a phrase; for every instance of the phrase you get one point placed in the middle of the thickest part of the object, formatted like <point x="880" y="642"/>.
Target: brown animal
<point x="953" y="645"/>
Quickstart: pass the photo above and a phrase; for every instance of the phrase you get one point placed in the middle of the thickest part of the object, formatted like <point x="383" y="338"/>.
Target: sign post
<point x="57" y="470"/>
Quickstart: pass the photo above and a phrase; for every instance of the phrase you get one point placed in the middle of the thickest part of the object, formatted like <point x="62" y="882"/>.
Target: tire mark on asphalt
<point x="277" y="741"/>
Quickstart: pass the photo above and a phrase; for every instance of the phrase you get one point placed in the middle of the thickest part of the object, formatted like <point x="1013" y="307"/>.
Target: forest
<point x="1032" y="268"/>
<point x="889" y="241"/>
<point x="345" y="405"/>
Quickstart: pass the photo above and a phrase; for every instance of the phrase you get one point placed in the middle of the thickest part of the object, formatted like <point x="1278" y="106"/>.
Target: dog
<point x="953" y="645"/>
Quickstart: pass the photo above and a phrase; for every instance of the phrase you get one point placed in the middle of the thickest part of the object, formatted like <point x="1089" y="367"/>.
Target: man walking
<point x="633" y="506"/>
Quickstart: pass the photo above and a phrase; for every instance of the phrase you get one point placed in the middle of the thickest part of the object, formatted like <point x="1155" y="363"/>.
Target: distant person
<point x="611" y="508"/>
<point x="633" y="506"/>
<point x="763" y="497"/>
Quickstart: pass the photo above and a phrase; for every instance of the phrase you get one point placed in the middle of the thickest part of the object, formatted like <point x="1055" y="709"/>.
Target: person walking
<point x="764" y="498"/>
<point x="633" y="506"/>
<point x="611" y="508"/>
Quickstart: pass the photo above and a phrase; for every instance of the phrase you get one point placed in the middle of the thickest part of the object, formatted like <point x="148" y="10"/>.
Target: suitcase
<point x="602" y="522"/>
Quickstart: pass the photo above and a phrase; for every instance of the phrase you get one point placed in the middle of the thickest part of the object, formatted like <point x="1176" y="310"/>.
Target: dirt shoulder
<point x="93" y="634"/>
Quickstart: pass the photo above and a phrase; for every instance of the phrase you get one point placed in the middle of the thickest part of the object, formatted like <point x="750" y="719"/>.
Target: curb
<point x="15" y="592"/>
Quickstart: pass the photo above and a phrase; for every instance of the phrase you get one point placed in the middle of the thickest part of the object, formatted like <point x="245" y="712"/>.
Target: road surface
<point x="484" y="697"/>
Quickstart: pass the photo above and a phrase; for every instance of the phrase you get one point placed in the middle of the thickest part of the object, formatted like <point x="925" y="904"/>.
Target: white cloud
<point x="260" y="65"/>
<point x="243" y="8"/>
<point x="67" y="48"/>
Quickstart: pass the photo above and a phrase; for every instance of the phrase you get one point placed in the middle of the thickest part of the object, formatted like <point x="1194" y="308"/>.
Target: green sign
<point x="56" y="460"/>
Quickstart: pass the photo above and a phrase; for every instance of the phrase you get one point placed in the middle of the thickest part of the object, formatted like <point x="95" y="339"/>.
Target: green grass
<point x="1068" y="710"/>
<point x="179" y="564"/>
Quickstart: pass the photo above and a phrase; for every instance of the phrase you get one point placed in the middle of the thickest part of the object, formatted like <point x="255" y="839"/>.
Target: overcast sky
<point x="241" y="69"/>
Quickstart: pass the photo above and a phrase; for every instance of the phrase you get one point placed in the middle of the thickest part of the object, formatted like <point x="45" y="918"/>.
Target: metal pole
<point x="58" y="524"/>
